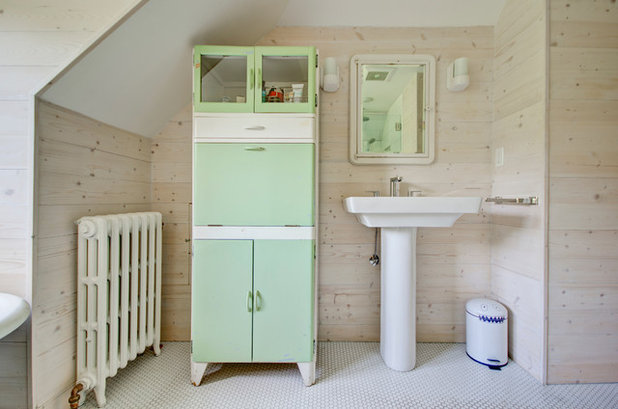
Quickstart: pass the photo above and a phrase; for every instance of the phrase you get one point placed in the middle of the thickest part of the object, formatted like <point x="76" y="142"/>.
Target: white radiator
<point x="118" y="294"/>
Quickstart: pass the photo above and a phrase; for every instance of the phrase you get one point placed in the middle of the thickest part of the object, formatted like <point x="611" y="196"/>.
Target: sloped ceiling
<point x="140" y="75"/>
<point x="392" y="13"/>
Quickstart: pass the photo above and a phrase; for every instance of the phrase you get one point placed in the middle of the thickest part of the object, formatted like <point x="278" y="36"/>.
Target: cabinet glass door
<point x="224" y="79"/>
<point x="286" y="77"/>
<point x="222" y="300"/>
<point x="283" y="302"/>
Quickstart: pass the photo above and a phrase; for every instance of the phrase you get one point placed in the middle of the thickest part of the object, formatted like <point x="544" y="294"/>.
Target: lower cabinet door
<point x="283" y="301"/>
<point x="222" y="300"/>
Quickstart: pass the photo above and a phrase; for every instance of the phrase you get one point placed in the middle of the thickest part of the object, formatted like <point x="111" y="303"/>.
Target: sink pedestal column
<point x="398" y="297"/>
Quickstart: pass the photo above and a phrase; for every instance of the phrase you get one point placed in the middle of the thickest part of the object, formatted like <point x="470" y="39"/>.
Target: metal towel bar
<point x="524" y="201"/>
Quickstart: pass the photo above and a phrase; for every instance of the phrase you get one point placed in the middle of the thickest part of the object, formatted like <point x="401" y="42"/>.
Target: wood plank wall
<point x="17" y="78"/>
<point x="15" y="234"/>
<point x="518" y="232"/>
<point x="37" y="38"/>
<point x="84" y="168"/>
<point x="453" y="263"/>
<point x="583" y="189"/>
<point x="171" y="195"/>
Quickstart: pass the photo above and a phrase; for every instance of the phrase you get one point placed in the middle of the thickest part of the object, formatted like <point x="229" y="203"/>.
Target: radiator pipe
<point x="74" y="398"/>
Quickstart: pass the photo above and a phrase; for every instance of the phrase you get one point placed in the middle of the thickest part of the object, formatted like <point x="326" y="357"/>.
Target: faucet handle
<point x="376" y="193"/>
<point x="414" y="193"/>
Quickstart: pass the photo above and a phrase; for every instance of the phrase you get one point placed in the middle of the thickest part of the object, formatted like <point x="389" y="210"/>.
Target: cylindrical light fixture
<point x="330" y="75"/>
<point x="457" y="76"/>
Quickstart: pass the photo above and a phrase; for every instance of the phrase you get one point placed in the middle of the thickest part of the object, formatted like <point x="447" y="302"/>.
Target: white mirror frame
<point x="359" y="158"/>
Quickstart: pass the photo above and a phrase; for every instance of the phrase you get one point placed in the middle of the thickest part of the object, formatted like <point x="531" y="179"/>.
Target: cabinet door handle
<point x="258" y="301"/>
<point x="255" y="128"/>
<point x="249" y="302"/>
<point x="251" y="79"/>
<point x="255" y="148"/>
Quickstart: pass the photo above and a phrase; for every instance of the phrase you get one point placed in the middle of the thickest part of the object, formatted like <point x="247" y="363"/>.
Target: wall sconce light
<point x="330" y="75"/>
<point x="457" y="78"/>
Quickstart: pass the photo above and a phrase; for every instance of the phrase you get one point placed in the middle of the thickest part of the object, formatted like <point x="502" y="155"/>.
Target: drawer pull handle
<point x="255" y="148"/>
<point x="255" y="128"/>
<point x="258" y="301"/>
<point x="251" y="79"/>
<point x="249" y="302"/>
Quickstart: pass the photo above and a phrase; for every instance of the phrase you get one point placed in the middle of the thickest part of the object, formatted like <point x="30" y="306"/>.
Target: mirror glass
<point x="392" y="109"/>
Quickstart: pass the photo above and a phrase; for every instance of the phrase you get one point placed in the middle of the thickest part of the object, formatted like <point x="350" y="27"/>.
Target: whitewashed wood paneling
<point x="15" y="237"/>
<point x="37" y="39"/>
<point x="583" y="170"/>
<point x="85" y="168"/>
<point x="171" y="195"/>
<point x="518" y="232"/>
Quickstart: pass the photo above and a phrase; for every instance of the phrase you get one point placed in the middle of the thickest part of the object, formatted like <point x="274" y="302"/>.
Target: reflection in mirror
<point x="391" y="109"/>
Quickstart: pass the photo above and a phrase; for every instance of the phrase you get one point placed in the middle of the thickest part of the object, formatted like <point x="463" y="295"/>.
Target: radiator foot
<point x="156" y="348"/>
<point x="99" y="393"/>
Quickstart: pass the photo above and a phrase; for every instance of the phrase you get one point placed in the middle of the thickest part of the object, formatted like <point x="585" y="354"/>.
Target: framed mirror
<point x="392" y="109"/>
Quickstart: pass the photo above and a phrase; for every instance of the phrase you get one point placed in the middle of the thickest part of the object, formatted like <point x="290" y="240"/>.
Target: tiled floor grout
<point x="350" y="375"/>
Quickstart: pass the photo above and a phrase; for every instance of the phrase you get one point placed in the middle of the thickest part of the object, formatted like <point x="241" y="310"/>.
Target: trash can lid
<point x="484" y="307"/>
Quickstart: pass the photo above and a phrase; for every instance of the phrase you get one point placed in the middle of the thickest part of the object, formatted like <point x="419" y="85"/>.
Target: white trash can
<point x="487" y="332"/>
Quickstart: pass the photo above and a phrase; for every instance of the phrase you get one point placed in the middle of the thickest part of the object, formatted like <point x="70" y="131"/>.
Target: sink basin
<point x="399" y="219"/>
<point x="13" y="312"/>
<point x="410" y="211"/>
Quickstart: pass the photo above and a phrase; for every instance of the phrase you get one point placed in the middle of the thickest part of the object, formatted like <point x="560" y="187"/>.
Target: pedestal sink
<point x="399" y="218"/>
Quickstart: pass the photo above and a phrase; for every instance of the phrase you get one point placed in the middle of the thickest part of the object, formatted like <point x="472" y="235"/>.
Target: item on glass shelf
<point x="275" y="95"/>
<point x="298" y="92"/>
<point x="288" y="95"/>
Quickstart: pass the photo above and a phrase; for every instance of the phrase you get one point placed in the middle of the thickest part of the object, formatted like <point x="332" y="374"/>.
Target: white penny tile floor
<point x="349" y="375"/>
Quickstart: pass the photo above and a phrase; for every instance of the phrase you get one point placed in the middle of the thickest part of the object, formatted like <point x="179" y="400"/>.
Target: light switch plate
<point x="499" y="157"/>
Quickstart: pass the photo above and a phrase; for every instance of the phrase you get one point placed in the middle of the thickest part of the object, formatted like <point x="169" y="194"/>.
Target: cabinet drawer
<point x="245" y="184"/>
<point x="255" y="127"/>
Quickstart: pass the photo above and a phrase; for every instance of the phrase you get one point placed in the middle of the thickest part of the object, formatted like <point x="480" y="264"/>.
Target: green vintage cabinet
<point x="252" y="301"/>
<point x="238" y="184"/>
<point x="234" y="79"/>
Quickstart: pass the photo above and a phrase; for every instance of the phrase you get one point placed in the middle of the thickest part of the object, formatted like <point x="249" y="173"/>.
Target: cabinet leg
<point x="307" y="371"/>
<point x="198" y="369"/>
<point x="197" y="372"/>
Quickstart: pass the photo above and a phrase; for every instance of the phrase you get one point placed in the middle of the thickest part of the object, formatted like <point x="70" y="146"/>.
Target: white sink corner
<point x="434" y="211"/>
<point x="13" y="312"/>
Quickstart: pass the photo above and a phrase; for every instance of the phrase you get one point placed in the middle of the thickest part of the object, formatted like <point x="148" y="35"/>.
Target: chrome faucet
<point x="395" y="186"/>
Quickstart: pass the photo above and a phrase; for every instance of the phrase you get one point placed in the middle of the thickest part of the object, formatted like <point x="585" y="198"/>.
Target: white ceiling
<point x="140" y="75"/>
<point x="392" y="13"/>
